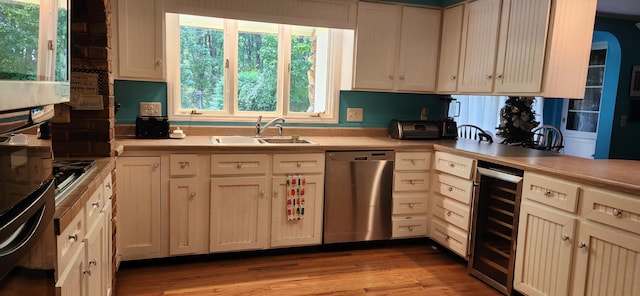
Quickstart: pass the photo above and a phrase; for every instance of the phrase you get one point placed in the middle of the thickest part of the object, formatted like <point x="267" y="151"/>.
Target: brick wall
<point x="89" y="132"/>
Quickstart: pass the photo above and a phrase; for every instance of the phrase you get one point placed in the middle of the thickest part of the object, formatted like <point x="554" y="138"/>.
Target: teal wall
<point x="379" y="107"/>
<point x="614" y="140"/>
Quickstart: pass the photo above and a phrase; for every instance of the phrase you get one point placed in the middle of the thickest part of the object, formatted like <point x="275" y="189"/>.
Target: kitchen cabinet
<point x="450" y="49"/>
<point x="526" y="47"/>
<point x="139" y="207"/>
<point x="396" y="48"/>
<point x="309" y="170"/>
<point x="411" y="180"/>
<point x="139" y="39"/>
<point x="591" y="250"/>
<point x="239" y="205"/>
<point x="188" y="207"/>
<point x="83" y="248"/>
<point x="451" y="201"/>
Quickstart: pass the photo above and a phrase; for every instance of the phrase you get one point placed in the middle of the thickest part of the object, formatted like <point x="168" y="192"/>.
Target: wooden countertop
<point x="618" y="175"/>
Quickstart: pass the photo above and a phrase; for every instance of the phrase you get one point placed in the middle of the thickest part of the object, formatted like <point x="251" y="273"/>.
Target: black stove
<point x="67" y="173"/>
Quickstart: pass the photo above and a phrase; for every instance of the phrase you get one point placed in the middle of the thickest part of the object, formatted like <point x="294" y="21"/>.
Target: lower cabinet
<point x="186" y="217"/>
<point x="239" y="217"/>
<point x="139" y="207"/>
<point x="71" y="280"/>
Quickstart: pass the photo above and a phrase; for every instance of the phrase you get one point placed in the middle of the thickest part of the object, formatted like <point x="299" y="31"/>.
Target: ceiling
<point x="628" y="9"/>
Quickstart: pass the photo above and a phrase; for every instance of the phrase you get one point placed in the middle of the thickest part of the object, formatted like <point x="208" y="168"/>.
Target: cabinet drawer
<point x="93" y="207"/>
<point x="410" y="181"/>
<point x="183" y="165"/>
<point x="612" y="208"/>
<point x="298" y="163"/>
<point x="449" y="236"/>
<point x="413" y="161"/>
<point x="455" y="165"/>
<point x="410" y="205"/>
<point x="70" y="240"/>
<point x="451" y="211"/>
<point x="409" y="226"/>
<point x="551" y="191"/>
<point x="454" y="187"/>
<point x="107" y="187"/>
<point x="239" y="164"/>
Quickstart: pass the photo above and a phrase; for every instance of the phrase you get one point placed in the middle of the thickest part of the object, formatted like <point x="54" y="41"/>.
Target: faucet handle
<point x="279" y="126"/>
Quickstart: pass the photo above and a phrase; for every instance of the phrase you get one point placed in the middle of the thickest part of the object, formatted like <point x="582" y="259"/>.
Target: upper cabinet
<point x="396" y="48"/>
<point x="139" y="41"/>
<point x="524" y="47"/>
<point x="450" y="49"/>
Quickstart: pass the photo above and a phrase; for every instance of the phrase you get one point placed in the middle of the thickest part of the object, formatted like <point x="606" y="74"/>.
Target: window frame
<point x="335" y="79"/>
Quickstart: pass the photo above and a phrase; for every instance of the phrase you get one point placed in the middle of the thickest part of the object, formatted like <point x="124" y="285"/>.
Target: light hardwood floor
<point x="413" y="268"/>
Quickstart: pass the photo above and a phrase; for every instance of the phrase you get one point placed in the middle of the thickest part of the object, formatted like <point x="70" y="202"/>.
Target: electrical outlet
<point x="354" y="114"/>
<point x="150" y="109"/>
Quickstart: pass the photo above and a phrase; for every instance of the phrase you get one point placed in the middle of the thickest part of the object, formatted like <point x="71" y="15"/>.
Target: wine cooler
<point x="494" y="225"/>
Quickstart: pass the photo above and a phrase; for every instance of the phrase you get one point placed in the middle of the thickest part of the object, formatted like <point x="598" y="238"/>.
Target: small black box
<point x="152" y="127"/>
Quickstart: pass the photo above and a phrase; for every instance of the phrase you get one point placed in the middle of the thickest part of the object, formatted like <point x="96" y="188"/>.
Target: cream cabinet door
<point x="95" y="250"/>
<point x="521" y="51"/>
<point x="188" y="216"/>
<point x="72" y="280"/>
<point x="139" y="199"/>
<point x="450" y="49"/>
<point x="140" y="53"/>
<point x="377" y="38"/>
<point x="607" y="261"/>
<point x="544" y="251"/>
<point x="306" y="231"/>
<point x="239" y="214"/>
<point x="418" y="55"/>
<point x="479" y="45"/>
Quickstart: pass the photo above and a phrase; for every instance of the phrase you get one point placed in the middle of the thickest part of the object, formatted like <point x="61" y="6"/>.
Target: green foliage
<point x="517" y="119"/>
<point x="19" y="30"/>
<point x="202" y="70"/>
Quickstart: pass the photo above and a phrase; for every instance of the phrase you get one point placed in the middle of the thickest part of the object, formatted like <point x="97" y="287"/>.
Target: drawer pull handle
<point x="617" y="213"/>
<point x="93" y="262"/>
<point x="239" y="165"/>
<point x="582" y="245"/>
<point x="184" y="164"/>
<point x="564" y="237"/>
<point x="411" y="205"/>
<point x="413" y="161"/>
<point x="450" y="188"/>
<point x="96" y="204"/>
<point x="548" y="193"/>
<point x="452" y="165"/>
<point x="73" y="237"/>
<point x="87" y="272"/>
<point x="449" y="213"/>
<point x="412" y="182"/>
<point x="108" y="185"/>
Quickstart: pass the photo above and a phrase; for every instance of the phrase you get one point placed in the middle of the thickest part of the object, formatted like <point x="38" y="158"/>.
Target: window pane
<point x="582" y="121"/>
<point x="19" y="42"/>
<point x="257" y="66"/>
<point x="201" y="63"/>
<point x="302" y="72"/>
<point x="61" y="72"/>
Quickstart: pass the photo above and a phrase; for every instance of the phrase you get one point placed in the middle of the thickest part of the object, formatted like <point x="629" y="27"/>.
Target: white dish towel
<point x="295" y="197"/>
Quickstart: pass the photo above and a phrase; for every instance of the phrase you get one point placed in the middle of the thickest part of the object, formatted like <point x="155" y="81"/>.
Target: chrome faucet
<point x="260" y="127"/>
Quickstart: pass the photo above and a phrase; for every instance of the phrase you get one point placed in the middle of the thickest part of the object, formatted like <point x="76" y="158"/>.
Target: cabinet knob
<point x="108" y="185"/>
<point x="158" y="62"/>
<point x="192" y="194"/>
<point x="93" y="262"/>
<point x="96" y="204"/>
<point x="446" y="237"/>
<point x="156" y="165"/>
<point x="87" y="272"/>
<point x="184" y="164"/>
<point x="450" y="189"/>
<point x="239" y="165"/>
<point x="617" y="213"/>
<point x="452" y="165"/>
<point x="548" y="193"/>
<point x="262" y="193"/>
<point x="410" y="228"/>
<point x="582" y="245"/>
<point x="449" y="213"/>
<point x="412" y="182"/>
<point x="299" y="164"/>
<point x="453" y="77"/>
<point x="73" y="237"/>
<point x="413" y="161"/>
<point x="499" y="76"/>
<point x="411" y="205"/>
<point x="390" y="76"/>
<point x="401" y="77"/>
<point x="489" y="76"/>
<point x="275" y="194"/>
<point x="564" y="237"/>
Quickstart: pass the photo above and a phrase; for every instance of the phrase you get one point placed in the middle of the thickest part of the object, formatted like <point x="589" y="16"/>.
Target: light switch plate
<point x="355" y="114"/>
<point x="150" y="109"/>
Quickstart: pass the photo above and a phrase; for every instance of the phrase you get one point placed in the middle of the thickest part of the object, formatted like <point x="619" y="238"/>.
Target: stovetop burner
<point x="66" y="173"/>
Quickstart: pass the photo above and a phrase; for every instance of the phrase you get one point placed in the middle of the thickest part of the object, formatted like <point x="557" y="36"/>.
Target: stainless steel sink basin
<point x="250" y="140"/>
<point x="285" y="141"/>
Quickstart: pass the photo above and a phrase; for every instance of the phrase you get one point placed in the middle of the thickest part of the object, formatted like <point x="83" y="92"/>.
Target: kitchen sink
<point x="250" y="140"/>
<point x="284" y="141"/>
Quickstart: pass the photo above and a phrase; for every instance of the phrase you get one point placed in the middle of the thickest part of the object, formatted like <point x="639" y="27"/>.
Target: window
<point x="234" y="70"/>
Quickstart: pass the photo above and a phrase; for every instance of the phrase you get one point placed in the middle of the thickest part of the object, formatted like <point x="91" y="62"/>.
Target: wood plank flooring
<point x="413" y="268"/>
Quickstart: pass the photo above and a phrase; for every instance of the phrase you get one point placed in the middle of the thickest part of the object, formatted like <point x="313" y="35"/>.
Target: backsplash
<point x="379" y="107"/>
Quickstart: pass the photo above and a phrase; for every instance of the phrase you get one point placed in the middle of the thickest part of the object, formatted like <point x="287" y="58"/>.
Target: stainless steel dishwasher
<point x="357" y="196"/>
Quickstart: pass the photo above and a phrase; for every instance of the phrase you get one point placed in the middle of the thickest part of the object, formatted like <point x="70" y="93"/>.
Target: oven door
<point x="23" y="224"/>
